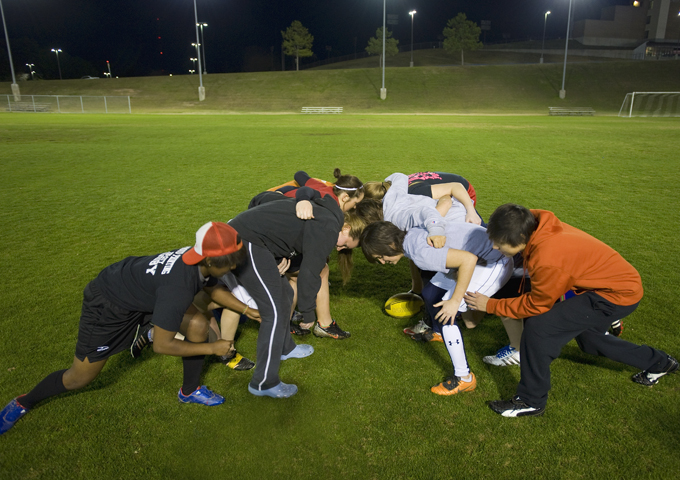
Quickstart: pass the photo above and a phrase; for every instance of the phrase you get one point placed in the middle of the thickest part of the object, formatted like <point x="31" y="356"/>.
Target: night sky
<point x="241" y="34"/>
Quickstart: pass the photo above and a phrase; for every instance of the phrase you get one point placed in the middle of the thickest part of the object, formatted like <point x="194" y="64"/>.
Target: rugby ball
<point x="403" y="305"/>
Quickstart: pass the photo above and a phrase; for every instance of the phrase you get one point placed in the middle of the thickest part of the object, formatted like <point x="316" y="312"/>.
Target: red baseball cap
<point x="214" y="239"/>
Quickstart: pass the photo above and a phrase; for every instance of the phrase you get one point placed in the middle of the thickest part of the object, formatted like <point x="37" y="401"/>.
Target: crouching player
<point x="124" y="295"/>
<point x="559" y="258"/>
<point x="467" y="260"/>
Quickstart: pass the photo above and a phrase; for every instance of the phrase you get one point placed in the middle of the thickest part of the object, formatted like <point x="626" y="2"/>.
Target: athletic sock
<point x="454" y="344"/>
<point x="192" y="372"/>
<point x="50" y="386"/>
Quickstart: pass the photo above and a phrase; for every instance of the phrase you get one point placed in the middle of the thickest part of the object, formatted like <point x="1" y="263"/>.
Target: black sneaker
<point x="141" y="339"/>
<point x="651" y="377"/>
<point x="331" y="331"/>
<point x="296" y="329"/>
<point x="616" y="328"/>
<point x="236" y="361"/>
<point x="515" y="408"/>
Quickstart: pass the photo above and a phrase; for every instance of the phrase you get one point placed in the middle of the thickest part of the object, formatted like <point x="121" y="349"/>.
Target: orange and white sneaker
<point x="452" y="385"/>
<point x="428" y="336"/>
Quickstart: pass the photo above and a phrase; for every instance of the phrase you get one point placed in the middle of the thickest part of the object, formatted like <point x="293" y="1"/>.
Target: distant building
<point x="655" y="22"/>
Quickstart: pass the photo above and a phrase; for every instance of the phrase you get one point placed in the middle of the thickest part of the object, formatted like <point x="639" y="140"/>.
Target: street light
<point x="205" y="69"/>
<point x="30" y="69"/>
<point x="563" y="92"/>
<point x="194" y="61"/>
<point x="192" y="72"/>
<point x="56" y="51"/>
<point x="15" y="85"/>
<point x="412" y="13"/>
<point x="545" y="21"/>
<point x="109" y="67"/>
<point x="383" y="90"/>
<point x="201" y="88"/>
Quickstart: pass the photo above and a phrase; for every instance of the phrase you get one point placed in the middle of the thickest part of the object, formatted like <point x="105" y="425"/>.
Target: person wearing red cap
<point x="134" y="291"/>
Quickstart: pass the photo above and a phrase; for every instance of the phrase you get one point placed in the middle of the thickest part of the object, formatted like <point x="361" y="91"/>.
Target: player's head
<point x="353" y="227"/>
<point x="348" y="189"/>
<point x="376" y="190"/>
<point x="370" y="209"/>
<point x="218" y="246"/>
<point x="511" y="225"/>
<point x="381" y="241"/>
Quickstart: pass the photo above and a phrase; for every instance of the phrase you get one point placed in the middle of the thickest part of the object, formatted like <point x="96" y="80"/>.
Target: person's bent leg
<point x="195" y="328"/>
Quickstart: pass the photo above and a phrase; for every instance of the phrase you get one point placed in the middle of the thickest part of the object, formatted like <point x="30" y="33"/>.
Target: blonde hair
<point x="356" y="223"/>
<point x="376" y="190"/>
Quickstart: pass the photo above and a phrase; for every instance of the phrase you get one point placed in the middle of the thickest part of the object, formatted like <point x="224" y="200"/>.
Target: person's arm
<point x="465" y="263"/>
<point x="164" y="342"/>
<point x="457" y="191"/>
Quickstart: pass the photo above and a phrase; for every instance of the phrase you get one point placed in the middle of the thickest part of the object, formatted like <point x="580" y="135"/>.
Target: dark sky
<point x="126" y="32"/>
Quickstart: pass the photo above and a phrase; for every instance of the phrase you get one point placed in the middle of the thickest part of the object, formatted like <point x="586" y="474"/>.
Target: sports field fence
<point x="67" y="104"/>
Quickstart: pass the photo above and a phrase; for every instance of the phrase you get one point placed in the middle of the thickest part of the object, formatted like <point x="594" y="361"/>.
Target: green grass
<point x="497" y="88"/>
<point x="83" y="191"/>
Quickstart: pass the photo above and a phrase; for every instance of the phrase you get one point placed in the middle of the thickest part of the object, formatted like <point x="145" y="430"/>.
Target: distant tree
<point x="461" y="34"/>
<point x="375" y="45"/>
<point x="297" y="42"/>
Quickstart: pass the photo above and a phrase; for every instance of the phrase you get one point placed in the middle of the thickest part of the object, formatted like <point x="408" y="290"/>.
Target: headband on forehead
<point x="348" y="188"/>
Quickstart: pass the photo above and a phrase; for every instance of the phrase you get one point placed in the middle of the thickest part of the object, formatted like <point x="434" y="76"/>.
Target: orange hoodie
<point x="559" y="258"/>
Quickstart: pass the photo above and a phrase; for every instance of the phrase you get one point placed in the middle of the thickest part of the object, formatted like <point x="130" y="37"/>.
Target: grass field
<point x="83" y="191"/>
<point x="497" y="88"/>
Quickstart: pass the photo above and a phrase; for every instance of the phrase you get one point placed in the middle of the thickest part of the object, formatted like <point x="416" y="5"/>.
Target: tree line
<point x="460" y="35"/>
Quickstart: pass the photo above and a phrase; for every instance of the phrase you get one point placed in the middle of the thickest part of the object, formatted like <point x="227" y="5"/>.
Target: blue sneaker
<point x="300" y="351"/>
<point x="10" y="414"/>
<point x="282" y="390"/>
<point x="201" y="395"/>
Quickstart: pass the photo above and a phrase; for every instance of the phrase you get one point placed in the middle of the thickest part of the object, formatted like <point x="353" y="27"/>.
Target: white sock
<point x="454" y="344"/>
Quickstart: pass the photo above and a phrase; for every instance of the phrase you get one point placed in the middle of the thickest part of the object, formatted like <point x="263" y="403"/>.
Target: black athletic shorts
<point x="105" y="329"/>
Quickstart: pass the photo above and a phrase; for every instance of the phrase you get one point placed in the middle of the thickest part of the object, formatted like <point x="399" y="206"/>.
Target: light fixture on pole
<point x="205" y="69"/>
<point x="545" y="21"/>
<point x="383" y="90"/>
<point x="194" y="61"/>
<point x="57" y="51"/>
<point x="413" y="14"/>
<point x="201" y="88"/>
<point x="30" y="69"/>
<point x="15" y="85"/>
<point x="563" y="92"/>
<point x="191" y="72"/>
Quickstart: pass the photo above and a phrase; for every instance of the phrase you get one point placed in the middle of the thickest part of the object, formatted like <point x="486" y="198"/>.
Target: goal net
<point x="651" y="104"/>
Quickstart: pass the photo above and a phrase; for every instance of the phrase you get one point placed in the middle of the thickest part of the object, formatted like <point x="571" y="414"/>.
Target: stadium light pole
<point x="563" y="92"/>
<point x="383" y="90"/>
<point x="194" y="62"/>
<point x="201" y="88"/>
<point x="205" y="69"/>
<point x="678" y="47"/>
<point x="30" y="69"/>
<point x="545" y="21"/>
<point x="413" y="14"/>
<point x="108" y="65"/>
<point x="56" y="51"/>
<point x="15" y="85"/>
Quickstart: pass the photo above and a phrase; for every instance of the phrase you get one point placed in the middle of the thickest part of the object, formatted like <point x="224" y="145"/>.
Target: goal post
<point x="651" y="104"/>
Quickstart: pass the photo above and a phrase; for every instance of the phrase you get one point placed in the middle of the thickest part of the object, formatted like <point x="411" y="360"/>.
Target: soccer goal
<point x="651" y="104"/>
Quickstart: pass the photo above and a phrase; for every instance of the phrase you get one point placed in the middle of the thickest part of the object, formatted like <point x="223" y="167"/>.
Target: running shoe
<point x="428" y="336"/>
<point x="331" y="331"/>
<point x="236" y="361"/>
<point x="453" y="385"/>
<point x="652" y="375"/>
<point x="296" y="329"/>
<point x="419" y="327"/>
<point x="504" y="357"/>
<point x="515" y="408"/>
<point x="201" y="395"/>
<point x="11" y="414"/>
<point x="141" y="339"/>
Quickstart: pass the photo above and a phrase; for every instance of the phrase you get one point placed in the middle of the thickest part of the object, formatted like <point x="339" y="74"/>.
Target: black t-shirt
<point x="421" y="183"/>
<point x="160" y="284"/>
